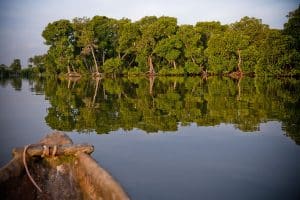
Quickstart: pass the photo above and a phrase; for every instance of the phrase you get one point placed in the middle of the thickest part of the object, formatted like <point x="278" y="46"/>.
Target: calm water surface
<point x="169" y="138"/>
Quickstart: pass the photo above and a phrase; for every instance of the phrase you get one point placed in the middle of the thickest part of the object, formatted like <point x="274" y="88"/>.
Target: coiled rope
<point x="46" y="152"/>
<point x="26" y="168"/>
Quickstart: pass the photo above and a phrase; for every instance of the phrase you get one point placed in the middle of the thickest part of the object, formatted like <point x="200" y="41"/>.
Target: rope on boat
<point x="26" y="168"/>
<point x="45" y="151"/>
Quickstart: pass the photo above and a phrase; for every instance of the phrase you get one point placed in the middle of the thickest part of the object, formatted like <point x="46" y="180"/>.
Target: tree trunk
<point x="239" y="89"/>
<point x="151" y="83"/>
<point x="104" y="93"/>
<point x="193" y="60"/>
<point x="204" y="73"/>
<point x="73" y="68"/>
<point x="74" y="84"/>
<point x="86" y="64"/>
<point x="151" y="68"/>
<point x="125" y="54"/>
<point x="69" y="70"/>
<point x="69" y="83"/>
<point x="96" y="91"/>
<point x="174" y="64"/>
<point x="103" y="57"/>
<point x="96" y="66"/>
<point x="131" y="62"/>
<point x="240" y="61"/>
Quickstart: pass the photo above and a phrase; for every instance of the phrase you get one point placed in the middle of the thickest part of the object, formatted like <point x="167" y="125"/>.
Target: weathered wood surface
<point x="83" y="171"/>
<point x="64" y="146"/>
<point x="67" y="149"/>
<point x="12" y="169"/>
<point x="95" y="181"/>
<point x="56" y="138"/>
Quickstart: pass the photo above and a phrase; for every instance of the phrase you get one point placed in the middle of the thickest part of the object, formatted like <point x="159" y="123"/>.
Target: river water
<point x="169" y="138"/>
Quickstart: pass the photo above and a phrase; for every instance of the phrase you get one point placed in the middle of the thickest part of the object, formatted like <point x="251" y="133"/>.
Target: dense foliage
<point x="160" y="45"/>
<point x="35" y="68"/>
<point x="14" y="69"/>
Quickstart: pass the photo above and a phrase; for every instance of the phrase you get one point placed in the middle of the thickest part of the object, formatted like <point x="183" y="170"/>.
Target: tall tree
<point x="60" y="36"/>
<point x="276" y="56"/>
<point x="15" y="66"/>
<point x="292" y="27"/>
<point x="38" y="63"/>
<point x="86" y="40"/>
<point x="256" y="32"/>
<point x="128" y="35"/>
<point x="169" y="49"/>
<point x="193" y="48"/>
<point x="208" y="29"/>
<point x="224" y="52"/>
<point x="105" y="36"/>
<point x="157" y="30"/>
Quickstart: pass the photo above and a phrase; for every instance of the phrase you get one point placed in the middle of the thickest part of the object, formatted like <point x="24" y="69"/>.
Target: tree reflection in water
<point x="161" y="103"/>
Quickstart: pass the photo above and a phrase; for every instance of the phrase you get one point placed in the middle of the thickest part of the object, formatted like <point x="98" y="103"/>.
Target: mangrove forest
<point x="159" y="45"/>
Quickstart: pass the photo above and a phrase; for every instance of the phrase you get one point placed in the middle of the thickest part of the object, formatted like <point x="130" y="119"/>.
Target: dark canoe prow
<point x="69" y="174"/>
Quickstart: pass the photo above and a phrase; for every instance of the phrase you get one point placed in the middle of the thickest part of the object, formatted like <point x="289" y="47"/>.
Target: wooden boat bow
<point x="62" y="169"/>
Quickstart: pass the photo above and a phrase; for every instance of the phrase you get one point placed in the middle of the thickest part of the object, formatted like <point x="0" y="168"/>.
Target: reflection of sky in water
<point x="21" y="118"/>
<point x="214" y="162"/>
<point x="201" y="162"/>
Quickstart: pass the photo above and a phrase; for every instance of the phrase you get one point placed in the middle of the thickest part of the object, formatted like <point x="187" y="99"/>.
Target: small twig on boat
<point x="27" y="171"/>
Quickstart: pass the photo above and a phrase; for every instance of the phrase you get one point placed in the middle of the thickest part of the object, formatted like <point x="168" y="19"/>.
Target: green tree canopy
<point x="15" y="66"/>
<point x="159" y="45"/>
<point x="292" y="27"/>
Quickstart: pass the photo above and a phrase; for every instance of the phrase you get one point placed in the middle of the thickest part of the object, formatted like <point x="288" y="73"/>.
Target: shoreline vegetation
<point x="103" y="46"/>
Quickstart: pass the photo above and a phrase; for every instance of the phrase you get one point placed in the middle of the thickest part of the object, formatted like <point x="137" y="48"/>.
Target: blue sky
<point x="22" y="21"/>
